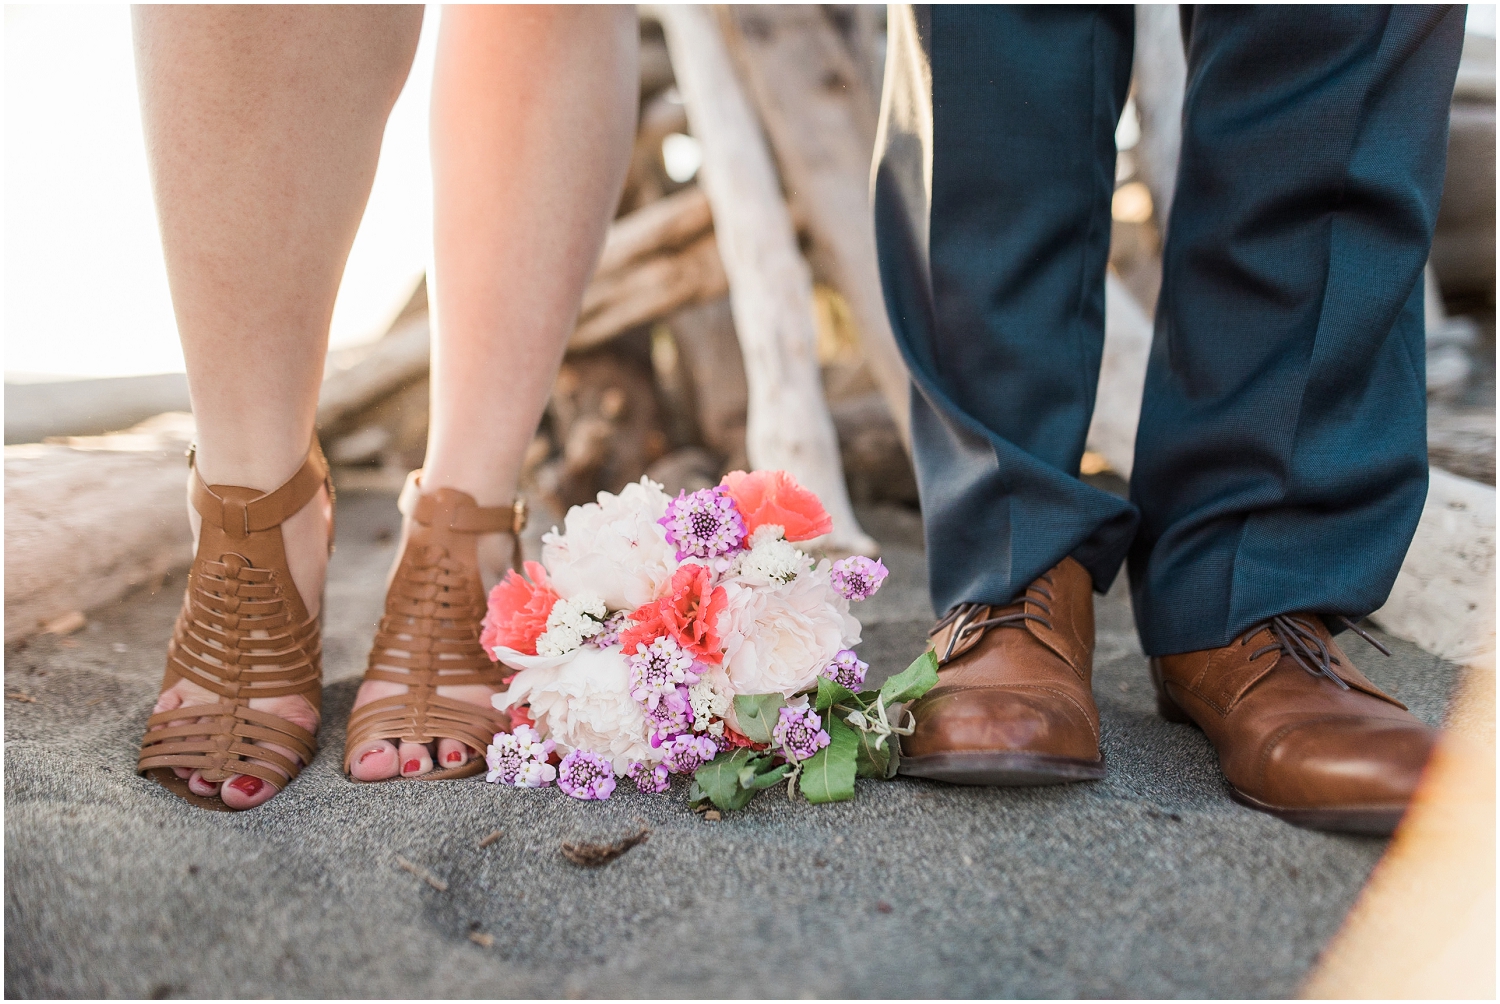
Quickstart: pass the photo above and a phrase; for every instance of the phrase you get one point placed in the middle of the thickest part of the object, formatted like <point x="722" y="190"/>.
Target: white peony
<point x="613" y="548"/>
<point x="582" y="700"/>
<point x="777" y="639"/>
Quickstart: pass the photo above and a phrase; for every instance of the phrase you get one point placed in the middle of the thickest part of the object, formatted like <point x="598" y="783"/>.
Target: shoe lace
<point x="1297" y="638"/>
<point x="965" y="616"/>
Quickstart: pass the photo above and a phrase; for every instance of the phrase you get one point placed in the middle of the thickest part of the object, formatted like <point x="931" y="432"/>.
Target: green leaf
<point x="695" y="794"/>
<point x="767" y="778"/>
<point x="756" y="714"/>
<point x="830" y="693"/>
<point x="872" y="762"/>
<point x="912" y="682"/>
<point x="719" y="780"/>
<point x="829" y="775"/>
<point x="761" y="772"/>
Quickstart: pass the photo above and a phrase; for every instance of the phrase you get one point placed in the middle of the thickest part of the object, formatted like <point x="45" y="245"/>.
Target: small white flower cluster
<point x="519" y="759"/>
<point x="571" y="622"/>
<point x="771" y="559"/>
<point x="708" y="703"/>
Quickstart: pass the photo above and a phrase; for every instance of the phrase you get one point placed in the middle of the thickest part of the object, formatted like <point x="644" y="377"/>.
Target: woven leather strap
<point x="429" y="635"/>
<point x="243" y="633"/>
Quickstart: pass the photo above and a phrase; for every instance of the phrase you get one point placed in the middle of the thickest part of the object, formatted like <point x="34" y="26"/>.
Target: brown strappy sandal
<point x="429" y="636"/>
<point x="243" y="633"/>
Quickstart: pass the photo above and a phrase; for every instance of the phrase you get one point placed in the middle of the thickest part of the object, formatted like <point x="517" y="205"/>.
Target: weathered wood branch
<point x="788" y="424"/>
<point x="820" y="115"/>
<point x="648" y="289"/>
<point x="662" y="227"/>
<point x="655" y="260"/>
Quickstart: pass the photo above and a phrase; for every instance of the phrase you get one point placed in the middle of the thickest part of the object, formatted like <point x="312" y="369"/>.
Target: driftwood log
<point x="820" y="115"/>
<point x="788" y="425"/>
<point x="1444" y="597"/>
<point x="608" y="422"/>
<point x="90" y="518"/>
<point x="1160" y="82"/>
<point x="710" y="356"/>
<point x="655" y="260"/>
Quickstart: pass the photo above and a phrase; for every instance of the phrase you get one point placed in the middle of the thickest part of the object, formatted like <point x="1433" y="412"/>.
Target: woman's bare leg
<point x="532" y="123"/>
<point x="263" y="128"/>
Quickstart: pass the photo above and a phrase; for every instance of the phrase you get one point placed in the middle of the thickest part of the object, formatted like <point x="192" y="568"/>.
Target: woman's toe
<point x="416" y="758"/>
<point x="375" y="762"/>
<point x="451" y="753"/>
<point x="198" y="786"/>
<point x="245" y="791"/>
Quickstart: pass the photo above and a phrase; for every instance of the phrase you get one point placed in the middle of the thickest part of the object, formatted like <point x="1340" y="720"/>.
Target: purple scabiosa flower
<point x="609" y="634"/>
<point x="799" y="733"/>
<point x="847" y="670"/>
<point x="653" y="779"/>
<point x="686" y="754"/>
<point x="586" y="776"/>
<point x="858" y="577"/>
<point x="657" y="669"/>
<point x="673" y="714"/>
<point x="704" y="524"/>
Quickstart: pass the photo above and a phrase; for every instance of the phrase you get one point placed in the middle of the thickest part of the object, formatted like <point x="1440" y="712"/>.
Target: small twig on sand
<point x="481" y="939"/>
<point x="597" y="855"/>
<point x="493" y="836"/>
<point x="423" y="874"/>
<point x="19" y="695"/>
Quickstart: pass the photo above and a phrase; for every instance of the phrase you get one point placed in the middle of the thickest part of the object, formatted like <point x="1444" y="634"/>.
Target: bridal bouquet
<point x="665" y="636"/>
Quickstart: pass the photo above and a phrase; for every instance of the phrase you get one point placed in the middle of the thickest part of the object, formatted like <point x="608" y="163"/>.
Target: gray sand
<point x="1150" y="883"/>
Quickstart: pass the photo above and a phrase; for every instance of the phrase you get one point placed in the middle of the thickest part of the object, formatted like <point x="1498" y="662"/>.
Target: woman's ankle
<point x="265" y="468"/>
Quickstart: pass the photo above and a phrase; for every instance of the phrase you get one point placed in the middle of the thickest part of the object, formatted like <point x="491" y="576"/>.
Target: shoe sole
<point x="179" y="787"/>
<point x="1367" y="820"/>
<point x="1001" y="770"/>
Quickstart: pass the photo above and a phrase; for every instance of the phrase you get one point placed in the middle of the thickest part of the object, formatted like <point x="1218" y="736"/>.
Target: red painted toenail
<point x="247" y="785"/>
<point x="455" y="756"/>
<point x="411" y="766"/>
<point x="367" y="754"/>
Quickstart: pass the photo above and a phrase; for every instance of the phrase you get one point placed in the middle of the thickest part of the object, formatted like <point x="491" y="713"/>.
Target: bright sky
<point x="85" y="288"/>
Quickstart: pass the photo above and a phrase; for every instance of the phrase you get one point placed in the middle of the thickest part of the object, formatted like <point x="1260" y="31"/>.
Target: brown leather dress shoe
<point x="1300" y="732"/>
<point x="1013" y="704"/>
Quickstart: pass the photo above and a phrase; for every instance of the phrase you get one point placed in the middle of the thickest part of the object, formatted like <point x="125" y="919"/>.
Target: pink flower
<point x="688" y="613"/>
<point x="767" y="498"/>
<point x="518" y="611"/>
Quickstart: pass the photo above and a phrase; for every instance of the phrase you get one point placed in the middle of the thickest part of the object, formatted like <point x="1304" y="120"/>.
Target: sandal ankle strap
<point x="238" y="519"/>
<point x="455" y="510"/>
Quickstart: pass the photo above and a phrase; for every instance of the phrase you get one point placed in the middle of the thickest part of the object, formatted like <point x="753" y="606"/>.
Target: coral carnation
<point x="773" y="498"/>
<point x="518" y="611"/>
<point x="688" y="613"/>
